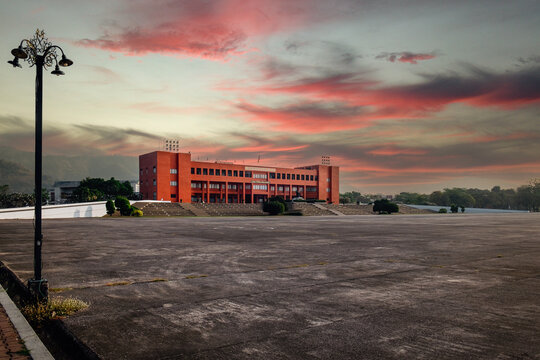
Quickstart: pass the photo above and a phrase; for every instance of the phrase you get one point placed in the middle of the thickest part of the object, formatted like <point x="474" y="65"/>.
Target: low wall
<point x="90" y="209"/>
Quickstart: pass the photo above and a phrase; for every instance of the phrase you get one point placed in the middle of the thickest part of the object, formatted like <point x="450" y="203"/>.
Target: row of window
<point x="240" y="173"/>
<point x="237" y="173"/>
<point x="153" y="170"/>
<point x="196" y="185"/>
<point x="293" y="176"/>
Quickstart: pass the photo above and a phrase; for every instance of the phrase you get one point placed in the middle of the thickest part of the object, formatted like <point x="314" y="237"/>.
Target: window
<point x="141" y="171"/>
<point x="223" y="172"/>
<point x="248" y="173"/>
<point x="154" y="182"/>
<point x="174" y="171"/>
<point x="288" y="176"/>
<point x="303" y="177"/>
<point x="214" y="186"/>
<point x="241" y="173"/>
<point x="272" y="175"/>
<point x="229" y="172"/>
<point x="173" y="196"/>
<point x="328" y="179"/>
<point x="193" y="170"/>
<point x="311" y="189"/>
<point x="205" y="171"/>
<point x="260" y="176"/>
<point x="174" y="183"/>
<point x="283" y="176"/>
<point x="248" y="186"/>
<point x="260" y="187"/>
<point x="294" y="188"/>
<point x="198" y="171"/>
<point x="311" y="177"/>
<point x="223" y="186"/>
<point x="154" y="196"/>
<point x="279" y="175"/>
<point x="316" y="177"/>
<point x="154" y="169"/>
<point x="232" y="186"/>
<point x="280" y="188"/>
<point x="235" y="172"/>
<point x="300" y="189"/>
<point x="286" y="188"/>
<point x="211" y="171"/>
<point x="196" y="185"/>
<point x="272" y="187"/>
<point x="327" y="189"/>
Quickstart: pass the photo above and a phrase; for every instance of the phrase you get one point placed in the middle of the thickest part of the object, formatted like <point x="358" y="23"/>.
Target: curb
<point x="38" y="351"/>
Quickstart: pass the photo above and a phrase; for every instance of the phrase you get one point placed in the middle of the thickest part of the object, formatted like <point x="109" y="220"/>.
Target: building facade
<point x="175" y="177"/>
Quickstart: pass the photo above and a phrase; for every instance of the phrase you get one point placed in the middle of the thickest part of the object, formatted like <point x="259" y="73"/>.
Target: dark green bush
<point x="454" y="208"/>
<point x="122" y="204"/>
<point x="384" y="206"/>
<point x="274" y="207"/>
<point x="442" y="211"/>
<point x="110" y="207"/>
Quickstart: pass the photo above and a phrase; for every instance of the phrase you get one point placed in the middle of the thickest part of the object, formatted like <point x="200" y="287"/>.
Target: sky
<point x="402" y="95"/>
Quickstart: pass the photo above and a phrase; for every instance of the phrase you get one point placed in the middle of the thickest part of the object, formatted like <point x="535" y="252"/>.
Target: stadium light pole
<point x="39" y="52"/>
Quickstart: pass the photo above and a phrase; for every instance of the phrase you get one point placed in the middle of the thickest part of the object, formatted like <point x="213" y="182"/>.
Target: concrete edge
<point x="38" y="351"/>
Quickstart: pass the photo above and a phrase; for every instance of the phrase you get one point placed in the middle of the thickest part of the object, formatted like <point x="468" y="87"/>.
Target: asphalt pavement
<point x="356" y="287"/>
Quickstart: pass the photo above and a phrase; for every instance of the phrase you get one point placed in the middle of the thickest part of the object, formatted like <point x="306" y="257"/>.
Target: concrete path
<point x="335" y="287"/>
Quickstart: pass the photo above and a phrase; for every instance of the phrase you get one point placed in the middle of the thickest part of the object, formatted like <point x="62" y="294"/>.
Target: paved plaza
<point x="356" y="287"/>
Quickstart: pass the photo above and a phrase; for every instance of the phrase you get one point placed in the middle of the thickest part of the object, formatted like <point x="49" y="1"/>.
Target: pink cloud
<point x="207" y="29"/>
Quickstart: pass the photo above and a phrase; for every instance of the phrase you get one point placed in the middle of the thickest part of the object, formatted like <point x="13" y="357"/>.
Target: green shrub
<point x="122" y="203"/>
<point x="110" y="207"/>
<point x="274" y="207"/>
<point x="384" y="206"/>
<point x="442" y="211"/>
<point x="136" y="212"/>
<point x="454" y="208"/>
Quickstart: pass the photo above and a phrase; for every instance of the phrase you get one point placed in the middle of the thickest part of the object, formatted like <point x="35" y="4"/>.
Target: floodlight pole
<point x="39" y="52"/>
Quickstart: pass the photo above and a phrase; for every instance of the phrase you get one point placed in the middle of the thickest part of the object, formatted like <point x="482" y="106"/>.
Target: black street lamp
<point x="40" y="52"/>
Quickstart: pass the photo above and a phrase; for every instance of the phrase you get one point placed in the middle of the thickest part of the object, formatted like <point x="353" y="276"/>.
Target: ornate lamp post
<point x="40" y="52"/>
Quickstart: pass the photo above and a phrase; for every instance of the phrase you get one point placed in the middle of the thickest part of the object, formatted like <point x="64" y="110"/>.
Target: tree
<point x="110" y="207"/>
<point x="384" y="206"/>
<point x="454" y="208"/>
<point x="439" y="198"/>
<point x="97" y="189"/>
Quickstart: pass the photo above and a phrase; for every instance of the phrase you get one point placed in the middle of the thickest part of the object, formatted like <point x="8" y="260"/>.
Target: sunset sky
<point x="403" y="95"/>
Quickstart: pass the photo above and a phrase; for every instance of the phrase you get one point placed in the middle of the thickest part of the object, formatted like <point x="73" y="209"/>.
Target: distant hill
<point x="17" y="168"/>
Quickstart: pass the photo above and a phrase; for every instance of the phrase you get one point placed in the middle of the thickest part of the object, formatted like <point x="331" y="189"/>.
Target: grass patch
<point x="297" y="266"/>
<point x="40" y="313"/>
<point x="57" y="290"/>
<point x="196" y="276"/>
<point x="119" y="283"/>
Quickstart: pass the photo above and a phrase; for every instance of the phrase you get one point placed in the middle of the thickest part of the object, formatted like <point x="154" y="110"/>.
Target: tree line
<point x="90" y="189"/>
<point x="525" y="197"/>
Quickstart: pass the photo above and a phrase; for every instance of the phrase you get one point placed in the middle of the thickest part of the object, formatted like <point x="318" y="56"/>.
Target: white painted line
<point x="38" y="351"/>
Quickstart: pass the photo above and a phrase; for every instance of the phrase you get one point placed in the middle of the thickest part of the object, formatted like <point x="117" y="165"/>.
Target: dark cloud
<point x="77" y="139"/>
<point x="306" y="117"/>
<point x="406" y="56"/>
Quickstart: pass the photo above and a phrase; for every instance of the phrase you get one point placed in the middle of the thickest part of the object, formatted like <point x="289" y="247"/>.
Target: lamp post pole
<point x="38" y="236"/>
<point x="39" y="52"/>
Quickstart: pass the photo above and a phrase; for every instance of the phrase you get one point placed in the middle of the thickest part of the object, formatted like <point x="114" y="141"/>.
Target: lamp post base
<point x="39" y="289"/>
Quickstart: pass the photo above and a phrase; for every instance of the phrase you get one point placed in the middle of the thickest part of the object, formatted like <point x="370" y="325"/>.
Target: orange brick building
<point x="174" y="176"/>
